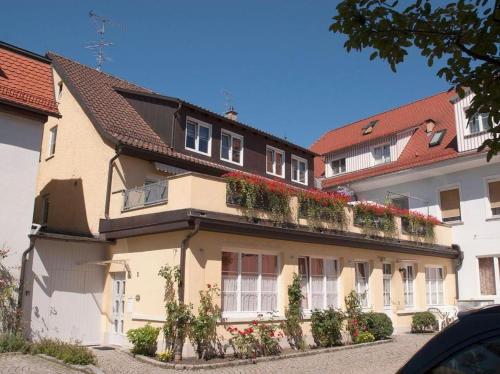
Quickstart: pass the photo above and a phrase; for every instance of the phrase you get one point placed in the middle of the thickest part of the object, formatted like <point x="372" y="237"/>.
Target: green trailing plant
<point x="69" y="353"/>
<point x="422" y="322"/>
<point x="291" y="326"/>
<point x="320" y="208"/>
<point x="379" y="325"/>
<point x="418" y="225"/>
<point x="178" y="315"/>
<point x="326" y="327"/>
<point x="203" y="329"/>
<point x="144" y="340"/>
<point x="374" y="218"/>
<point x="13" y="342"/>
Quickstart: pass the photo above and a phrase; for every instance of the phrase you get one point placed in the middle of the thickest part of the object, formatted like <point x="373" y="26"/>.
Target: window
<point x="494" y="197"/>
<point x="407" y="273"/>
<point x="338" y="166"/>
<point x="479" y="123"/>
<point x="437" y="138"/>
<point x="231" y="147"/>
<point x="249" y="282"/>
<point x="382" y="154"/>
<point x="198" y="136"/>
<point x="299" y="170"/>
<point x="402" y="202"/>
<point x="434" y="285"/>
<point x="450" y="205"/>
<point x="387" y="274"/>
<point x="319" y="282"/>
<point x="52" y="141"/>
<point x="368" y="129"/>
<point x="362" y="282"/>
<point x="487" y="275"/>
<point x="44" y="213"/>
<point x="275" y="162"/>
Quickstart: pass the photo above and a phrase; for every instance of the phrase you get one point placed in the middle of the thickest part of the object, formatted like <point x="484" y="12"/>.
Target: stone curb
<point x="218" y="365"/>
<point x="89" y="369"/>
<point x="7" y="354"/>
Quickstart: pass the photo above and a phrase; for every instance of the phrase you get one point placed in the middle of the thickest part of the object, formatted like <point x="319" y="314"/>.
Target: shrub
<point x="268" y="338"/>
<point x="166" y="356"/>
<point x="144" y="340"/>
<point x="355" y="317"/>
<point x="259" y="339"/>
<point x="69" y="353"/>
<point x="423" y="321"/>
<point x="13" y="343"/>
<point x="364" y="337"/>
<point x="244" y="342"/>
<point x="326" y="326"/>
<point x="379" y="325"/>
<point x="293" y="315"/>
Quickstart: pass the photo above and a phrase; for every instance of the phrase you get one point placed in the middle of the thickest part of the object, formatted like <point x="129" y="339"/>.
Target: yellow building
<point x="135" y="183"/>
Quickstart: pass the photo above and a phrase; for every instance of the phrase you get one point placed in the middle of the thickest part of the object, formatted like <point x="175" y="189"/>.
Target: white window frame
<point x="51" y="151"/>
<point x="306" y="175"/>
<point x="338" y="159"/>
<point x="197" y="136"/>
<point x="382" y="161"/>
<point x="242" y="315"/>
<point x="308" y="259"/>
<point x="447" y="188"/>
<point x="406" y="285"/>
<point x="429" y="294"/>
<point x="496" y="274"/>
<point x="482" y="126"/>
<point x="368" y="299"/>
<point x="487" y="180"/>
<point x="389" y="278"/>
<point x="276" y="150"/>
<point x="232" y="135"/>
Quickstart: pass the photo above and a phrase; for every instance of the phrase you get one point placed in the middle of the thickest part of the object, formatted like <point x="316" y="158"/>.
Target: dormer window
<point x="437" y="138"/>
<point x="338" y="166"/>
<point x="479" y="123"/>
<point x="382" y="154"/>
<point x="198" y="136"/>
<point x="369" y="128"/>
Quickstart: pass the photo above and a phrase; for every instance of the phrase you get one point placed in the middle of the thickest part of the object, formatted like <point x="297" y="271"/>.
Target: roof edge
<point x="24" y="52"/>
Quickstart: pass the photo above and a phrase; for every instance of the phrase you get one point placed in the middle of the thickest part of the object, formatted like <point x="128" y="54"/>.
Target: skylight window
<point x="369" y="128"/>
<point x="437" y="138"/>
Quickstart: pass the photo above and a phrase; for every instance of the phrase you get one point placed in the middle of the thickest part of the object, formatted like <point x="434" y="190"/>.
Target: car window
<point x="480" y="358"/>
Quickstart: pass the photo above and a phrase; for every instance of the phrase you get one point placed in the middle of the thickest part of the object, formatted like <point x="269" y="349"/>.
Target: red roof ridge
<point x="378" y="114"/>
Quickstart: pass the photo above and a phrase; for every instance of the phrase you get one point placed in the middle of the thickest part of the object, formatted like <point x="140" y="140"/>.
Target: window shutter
<point x="494" y="192"/>
<point x="450" y="204"/>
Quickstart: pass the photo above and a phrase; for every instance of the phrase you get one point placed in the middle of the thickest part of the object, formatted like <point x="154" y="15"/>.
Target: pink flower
<point x="255" y="323"/>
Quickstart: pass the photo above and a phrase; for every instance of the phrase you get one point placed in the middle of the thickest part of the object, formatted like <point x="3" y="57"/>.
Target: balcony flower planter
<point x="374" y="218"/>
<point x="328" y="207"/>
<point x="416" y="224"/>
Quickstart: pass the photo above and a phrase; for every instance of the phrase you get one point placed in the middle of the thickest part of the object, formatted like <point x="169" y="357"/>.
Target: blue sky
<point x="286" y="72"/>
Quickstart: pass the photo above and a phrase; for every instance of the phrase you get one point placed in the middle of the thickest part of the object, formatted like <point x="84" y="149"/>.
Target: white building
<point x="26" y="101"/>
<point x="423" y="156"/>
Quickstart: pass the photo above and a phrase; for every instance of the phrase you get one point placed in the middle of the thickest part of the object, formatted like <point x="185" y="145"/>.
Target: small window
<point x="407" y="273"/>
<point x="362" y="282"/>
<point x="434" y="285"/>
<point x="368" y="129"/>
<point x="487" y="276"/>
<point x="275" y="162"/>
<point x="387" y="271"/>
<point x="299" y="170"/>
<point x="231" y="147"/>
<point x="44" y="213"/>
<point x="437" y="138"/>
<point x="478" y="123"/>
<point x="338" y="166"/>
<point x="198" y="136"/>
<point x="450" y="205"/>
<point x="382" y="154"/>
<point x="494" y="197"/>
<point x="52" y="141"/>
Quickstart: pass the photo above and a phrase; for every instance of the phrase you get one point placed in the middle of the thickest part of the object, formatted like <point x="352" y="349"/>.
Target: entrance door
<point x="118" y="309"/>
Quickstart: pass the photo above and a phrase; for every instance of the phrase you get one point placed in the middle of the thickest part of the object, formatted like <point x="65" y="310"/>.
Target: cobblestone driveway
<point x="384" y="358"/>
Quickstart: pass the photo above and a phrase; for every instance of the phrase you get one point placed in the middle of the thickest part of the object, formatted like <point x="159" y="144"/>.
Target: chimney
<point x="231" y="114"/>
<point x="429" y="125"/>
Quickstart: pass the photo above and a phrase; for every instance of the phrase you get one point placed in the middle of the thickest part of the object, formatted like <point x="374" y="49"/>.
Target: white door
<point x="117" y="335"/>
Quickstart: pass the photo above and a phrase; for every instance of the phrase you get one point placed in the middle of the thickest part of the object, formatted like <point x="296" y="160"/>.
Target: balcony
<point x="197" y="192"/>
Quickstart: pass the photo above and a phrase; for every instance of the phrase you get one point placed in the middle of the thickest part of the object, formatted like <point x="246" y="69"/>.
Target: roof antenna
<point x="230" y="112"/>
<point x="98" y="46"/>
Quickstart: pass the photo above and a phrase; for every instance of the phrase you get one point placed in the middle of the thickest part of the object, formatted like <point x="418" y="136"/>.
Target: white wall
<point x="20" y="139"/>
<point x="477" y="235"/>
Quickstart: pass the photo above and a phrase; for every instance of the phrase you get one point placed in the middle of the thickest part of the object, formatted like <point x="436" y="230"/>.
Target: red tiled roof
<point x="26" y="81"/>
<point x="416" y="153"/>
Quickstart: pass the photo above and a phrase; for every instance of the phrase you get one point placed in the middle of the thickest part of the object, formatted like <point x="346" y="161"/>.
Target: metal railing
<point x="148" y="194"/>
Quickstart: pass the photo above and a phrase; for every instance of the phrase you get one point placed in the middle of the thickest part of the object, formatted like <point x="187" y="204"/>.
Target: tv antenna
<point x="99" y="46"/>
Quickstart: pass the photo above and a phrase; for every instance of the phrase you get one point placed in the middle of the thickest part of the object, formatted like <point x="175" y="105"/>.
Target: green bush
<point x="379" y="325"/>
<point x="291" y="326"/>
<point x="423" y="321"/>
<point x="13" y="343"/>
<point x="364" y="337"/>
<point x="69" y="353"/>
<point x="326" y="327"/>
<point x="166" y="356"/>
<point x="144" y="340"/>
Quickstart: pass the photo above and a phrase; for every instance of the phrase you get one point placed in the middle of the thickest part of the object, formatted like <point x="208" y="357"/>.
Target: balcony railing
<point x="149" y="194"/>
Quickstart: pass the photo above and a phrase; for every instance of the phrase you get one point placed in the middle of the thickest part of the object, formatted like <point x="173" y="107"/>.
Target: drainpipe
<point x="35" y="229"/>
<point x="458" y="264"/>
<point x="182" y="277"/>
<point x="174" y="116"/>
<point x="118" y="151"/>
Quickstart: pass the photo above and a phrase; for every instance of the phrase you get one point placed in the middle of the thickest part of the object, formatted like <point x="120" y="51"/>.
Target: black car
<point x="471" y="344"/>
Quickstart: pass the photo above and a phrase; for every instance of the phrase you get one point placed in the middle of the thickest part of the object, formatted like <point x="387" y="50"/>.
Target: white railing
<point x="148" y="194"/>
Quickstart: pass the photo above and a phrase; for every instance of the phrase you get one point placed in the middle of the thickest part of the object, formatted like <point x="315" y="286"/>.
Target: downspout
<point x="118" y="151"/>
<point x="182" y="276"/>
<point x="458" y="264"/>
<point x="174" y="117"/>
